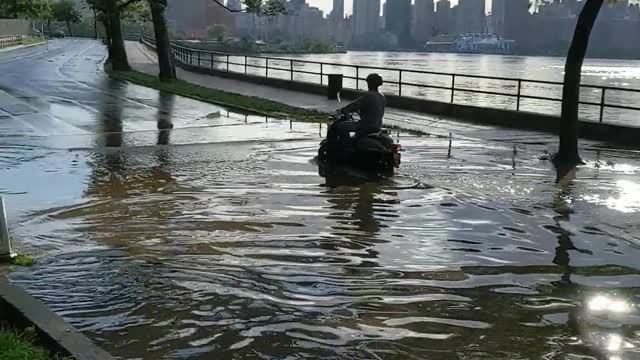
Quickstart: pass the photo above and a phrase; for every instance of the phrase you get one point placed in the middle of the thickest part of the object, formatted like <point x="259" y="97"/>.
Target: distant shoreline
<point x="515" y="54"/>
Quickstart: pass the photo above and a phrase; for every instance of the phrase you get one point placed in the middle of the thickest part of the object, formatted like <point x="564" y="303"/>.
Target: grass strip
<point x="29" y="40"/>
<point x="19" y="346"/>
<point x="231" y="101"/>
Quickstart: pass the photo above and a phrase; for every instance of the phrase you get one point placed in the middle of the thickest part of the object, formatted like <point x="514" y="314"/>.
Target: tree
<point x="110" y="14"/>
<point x="216" y="32"/>
<point x="28" y="9"/>
<point x="163" y="42"/>
<point x="568" y="157"/>
<point x="65" y="11"/>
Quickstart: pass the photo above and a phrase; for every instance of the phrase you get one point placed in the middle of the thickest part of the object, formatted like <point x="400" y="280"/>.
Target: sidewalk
<point x="13" y="48"/>
<point x="144" y="60"/>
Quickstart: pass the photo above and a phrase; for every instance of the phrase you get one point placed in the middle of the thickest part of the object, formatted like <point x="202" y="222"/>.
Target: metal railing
<point x="223" y="61"/>
<point x="10" y="41"/>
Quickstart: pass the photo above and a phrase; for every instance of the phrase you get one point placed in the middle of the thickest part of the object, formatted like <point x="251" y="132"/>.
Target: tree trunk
<point x="163" y="45"/>
<point x="118" y="52"/>
<point x="14" y="9"/>
<point x="69" y="28"/>
<point x="568" y="157"/>
<point x="108" y="39"/>
<point x="95" y="23"/>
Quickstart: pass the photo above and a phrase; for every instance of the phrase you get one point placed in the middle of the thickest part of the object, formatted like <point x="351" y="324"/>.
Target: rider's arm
<point x="353" y="107"/>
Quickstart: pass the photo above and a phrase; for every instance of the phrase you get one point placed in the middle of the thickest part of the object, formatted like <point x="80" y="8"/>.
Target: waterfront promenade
<point x="144" y="60"/>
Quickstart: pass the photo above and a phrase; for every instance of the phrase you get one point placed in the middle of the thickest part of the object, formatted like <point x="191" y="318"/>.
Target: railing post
<point x="291" y="65"/>
<point x="198" y="57"/>
<point x="357" y="77"/>
<point x="321" y="74"/>
<point x="400" y="83"/>
<point x="453" y="86"/>
<point x="212" y="58"/>
<point x="266" y="65"/>
<point x="190" y="57"/>
<point x="602" y="102"/>
<point x="227" y="62"/>
<point x="518" y="98"/>
<point x="5" y="241"/>
<point x="245" y="64"/>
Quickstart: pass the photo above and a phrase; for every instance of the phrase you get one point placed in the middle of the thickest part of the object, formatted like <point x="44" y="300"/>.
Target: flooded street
<point x="167" y="228"/>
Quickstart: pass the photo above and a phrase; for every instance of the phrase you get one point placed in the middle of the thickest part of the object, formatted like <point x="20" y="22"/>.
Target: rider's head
<point x="374" y="81"/>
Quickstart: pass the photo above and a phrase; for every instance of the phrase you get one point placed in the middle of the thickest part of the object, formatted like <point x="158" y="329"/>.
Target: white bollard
<point x="5" y="241"/>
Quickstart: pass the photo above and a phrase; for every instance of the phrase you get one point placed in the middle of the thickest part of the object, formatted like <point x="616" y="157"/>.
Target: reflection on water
<point x="221" y="241"/>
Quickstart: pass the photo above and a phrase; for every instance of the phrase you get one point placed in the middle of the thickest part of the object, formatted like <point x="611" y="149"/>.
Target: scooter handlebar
<point x="342" y="117"/>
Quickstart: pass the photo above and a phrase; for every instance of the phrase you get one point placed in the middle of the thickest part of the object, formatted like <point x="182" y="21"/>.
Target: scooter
<point x="375" y="153"/>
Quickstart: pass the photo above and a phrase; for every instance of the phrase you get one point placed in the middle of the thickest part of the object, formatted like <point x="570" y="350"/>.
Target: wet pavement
<point x="168" y="228"/>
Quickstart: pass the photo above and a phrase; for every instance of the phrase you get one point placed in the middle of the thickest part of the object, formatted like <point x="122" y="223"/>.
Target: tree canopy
<point x="66" y="11"/>
<point x="27" y="9"/>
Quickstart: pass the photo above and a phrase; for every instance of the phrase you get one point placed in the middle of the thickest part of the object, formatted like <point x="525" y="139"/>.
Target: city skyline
<point x="326" y="5"/>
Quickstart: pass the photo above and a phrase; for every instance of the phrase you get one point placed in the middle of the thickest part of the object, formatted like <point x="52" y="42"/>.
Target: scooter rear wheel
<point x="322" y="152"/>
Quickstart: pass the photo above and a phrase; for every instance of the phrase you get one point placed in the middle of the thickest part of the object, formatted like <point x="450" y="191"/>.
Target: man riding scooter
<point x="371" y="108"/>
<point x="372" y="148"/>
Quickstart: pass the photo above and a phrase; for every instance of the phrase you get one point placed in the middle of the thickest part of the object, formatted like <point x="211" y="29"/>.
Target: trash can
<point x="335" y="86"/>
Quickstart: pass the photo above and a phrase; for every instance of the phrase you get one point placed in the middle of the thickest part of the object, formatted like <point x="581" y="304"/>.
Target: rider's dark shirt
<point x="371" y="107"/>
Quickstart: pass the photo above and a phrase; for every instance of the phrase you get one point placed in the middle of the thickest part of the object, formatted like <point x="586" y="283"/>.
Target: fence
<point x="15" y="27"/>
<point x="10" y="41"/>
<point x="450" y="86"/>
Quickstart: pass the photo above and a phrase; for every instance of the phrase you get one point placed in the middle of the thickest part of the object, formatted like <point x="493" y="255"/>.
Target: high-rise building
<point x="398" y="20"/>
<point x="338" y="9"/>
<point x="190" y="20"/>
<point x="471" y="16"/>
<point x="298" y="4"/>
<point x="300" y="23"/>
<point x="443" y="17"/>
<point x="366" y="17"/>
<point x="424" y="25"/>
<point x="572" y="5"/>
<point x="235" y="5"/>
<point x="510" y="18"/>
<point x="337" y="24"/>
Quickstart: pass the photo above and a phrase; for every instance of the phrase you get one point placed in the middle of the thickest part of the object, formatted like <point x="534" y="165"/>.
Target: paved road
<point x="57" y="98"/>
<point x="63" y="91"/>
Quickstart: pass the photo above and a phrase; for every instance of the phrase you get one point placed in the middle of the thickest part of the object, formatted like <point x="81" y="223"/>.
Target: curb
<point x="223" y="104"/>
<point x="199" y="98"/>
<point x="22" y="310"/>
<point x="9" y="49"/>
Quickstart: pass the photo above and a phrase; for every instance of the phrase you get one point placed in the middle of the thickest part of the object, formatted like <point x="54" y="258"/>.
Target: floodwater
<point x="190" y="248"/>
<point x="167" y="230"/>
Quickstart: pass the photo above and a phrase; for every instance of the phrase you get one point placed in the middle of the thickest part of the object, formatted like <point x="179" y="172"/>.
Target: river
<point x="623" y="74"/>
<point x="217" y="238"/>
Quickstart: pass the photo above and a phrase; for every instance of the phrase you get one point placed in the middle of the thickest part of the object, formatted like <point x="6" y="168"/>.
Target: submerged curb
<point x="22" y="310"/>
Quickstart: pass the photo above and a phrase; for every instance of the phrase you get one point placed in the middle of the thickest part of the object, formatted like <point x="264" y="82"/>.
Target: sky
<point x="326" y="5"/>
